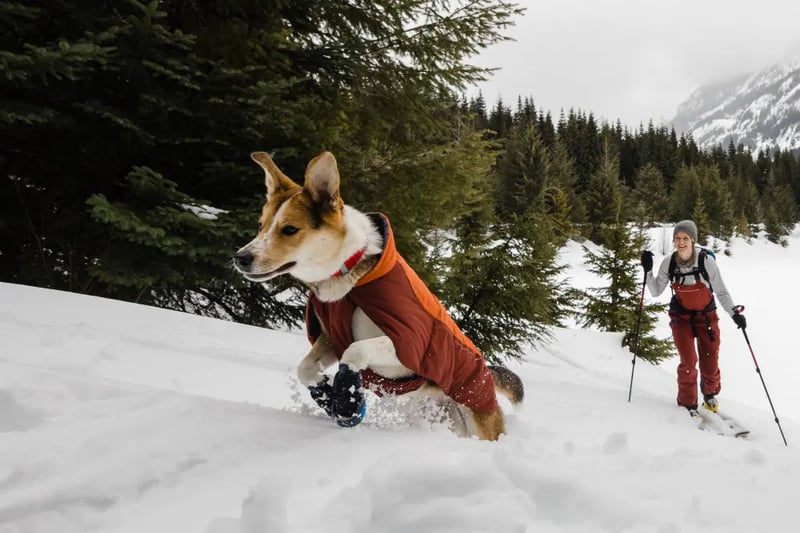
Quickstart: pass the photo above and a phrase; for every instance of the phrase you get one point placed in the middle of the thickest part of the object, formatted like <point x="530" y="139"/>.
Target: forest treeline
<point x="651" y="173"/>
<point x="126" y="128"/>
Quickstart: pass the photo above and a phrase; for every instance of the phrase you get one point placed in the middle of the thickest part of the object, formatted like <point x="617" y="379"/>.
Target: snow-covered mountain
<point x="760" y="111"/>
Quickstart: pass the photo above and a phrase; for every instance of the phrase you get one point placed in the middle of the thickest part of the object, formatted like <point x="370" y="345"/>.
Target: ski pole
<point x="738" y="309"/>
<point x="636" y="338"/>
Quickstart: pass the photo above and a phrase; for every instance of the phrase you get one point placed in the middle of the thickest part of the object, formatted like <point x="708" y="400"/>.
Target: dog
<point x="367" y="310"/>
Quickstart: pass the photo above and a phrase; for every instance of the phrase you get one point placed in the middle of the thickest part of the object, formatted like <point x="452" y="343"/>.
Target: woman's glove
<point x="741" y="321"/>
<point x="647" y="261"/>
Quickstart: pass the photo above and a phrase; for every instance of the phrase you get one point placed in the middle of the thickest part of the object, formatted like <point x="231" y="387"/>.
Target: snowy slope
<point x="117" y="417"/>
<point x="760" y="111"/>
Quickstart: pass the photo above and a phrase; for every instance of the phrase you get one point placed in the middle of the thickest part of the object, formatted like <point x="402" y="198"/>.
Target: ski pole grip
<point x="738" y="309"/>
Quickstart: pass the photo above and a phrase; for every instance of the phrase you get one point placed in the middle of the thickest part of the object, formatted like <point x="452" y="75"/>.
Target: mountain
<point x="760" y="111"/>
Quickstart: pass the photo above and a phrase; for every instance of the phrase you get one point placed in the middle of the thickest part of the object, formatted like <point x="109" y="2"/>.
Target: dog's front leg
<point x="349" y="404"/>
<point x="311" y="368"/>
<point x="321" y="356"/>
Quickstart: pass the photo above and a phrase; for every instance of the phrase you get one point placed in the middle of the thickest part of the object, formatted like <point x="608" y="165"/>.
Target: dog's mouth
<point x="269" y="275"/>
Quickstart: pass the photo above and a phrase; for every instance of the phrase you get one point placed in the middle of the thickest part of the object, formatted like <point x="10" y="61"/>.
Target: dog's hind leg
<point x="487" y="426"/>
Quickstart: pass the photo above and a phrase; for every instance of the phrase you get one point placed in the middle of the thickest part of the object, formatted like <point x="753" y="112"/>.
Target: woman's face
<point x="683" y="244"/>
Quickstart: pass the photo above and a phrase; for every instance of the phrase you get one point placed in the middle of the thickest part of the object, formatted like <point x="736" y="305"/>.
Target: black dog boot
<point x="322" y="393"/>
<point x="349" y="404"/>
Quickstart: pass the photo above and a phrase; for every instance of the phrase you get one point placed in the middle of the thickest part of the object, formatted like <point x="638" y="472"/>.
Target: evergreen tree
<point x="547" y="130"/>
<point x="717" y="201"/>
<point x="502" y="277"/>
<point x="701" y="220"/>
<point x="501" y="286"/>
<point x="531" y="176"/>
<point x="629" y="160"/>
<point x="122" y="129"/>
<point x="742" y="227"/>
<point x="605" y="198"/>
<point x="567" y="206"/>
<point x="685" y="193"/>
<point x="745" y="202"/>
<point x="615" y="305"/>
<point x="426" y="185"/>
<point x="688" y="152"/>
<point x="477" y="108"/>
<point x="579" y="135"/>
<point x="780" y="214"/>
<point x="523" y="171"/>
<point x="650" y="195"/>
<point x="500" y="119"/>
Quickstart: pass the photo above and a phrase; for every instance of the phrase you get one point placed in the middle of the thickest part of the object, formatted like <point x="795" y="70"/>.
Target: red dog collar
<point x="349" y="263"/>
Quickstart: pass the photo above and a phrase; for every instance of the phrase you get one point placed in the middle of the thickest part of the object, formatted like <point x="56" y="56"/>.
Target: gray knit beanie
<point x="688" y="227"/>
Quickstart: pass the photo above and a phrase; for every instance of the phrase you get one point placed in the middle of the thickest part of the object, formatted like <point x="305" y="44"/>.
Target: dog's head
<point x="301" y="229"/>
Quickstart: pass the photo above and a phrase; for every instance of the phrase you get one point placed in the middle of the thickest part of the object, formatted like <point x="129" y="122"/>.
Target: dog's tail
<point x="508" y="384"/>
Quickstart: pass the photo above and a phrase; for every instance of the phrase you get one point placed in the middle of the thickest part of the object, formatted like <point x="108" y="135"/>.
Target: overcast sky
<point x="636" y="59"/>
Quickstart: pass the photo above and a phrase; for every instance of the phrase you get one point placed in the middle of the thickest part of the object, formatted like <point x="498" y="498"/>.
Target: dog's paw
<point x="322" y="393"/>
<point x="349" y="404"/>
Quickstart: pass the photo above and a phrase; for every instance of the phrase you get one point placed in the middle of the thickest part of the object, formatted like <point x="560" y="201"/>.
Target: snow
<point x="738" y="112"/>
<point x="717" y="126"/>
<point x="206" y="212"/>
<point x="116" y="417"/>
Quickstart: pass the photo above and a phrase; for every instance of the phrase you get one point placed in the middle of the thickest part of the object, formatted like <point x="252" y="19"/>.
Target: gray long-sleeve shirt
<point x="660" y="281"/>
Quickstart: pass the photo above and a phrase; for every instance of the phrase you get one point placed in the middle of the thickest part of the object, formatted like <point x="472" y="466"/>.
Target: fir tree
<point x="615" y="305"/>
<point x="780" y="214"/>
<point x="424" y="185"/>
<point x="501" y="284"/>
<point x="685" y="193"/>
<point x="121" y="129"/>
<point x="502" y="277"/>
<point x="745" y="202"/>
<point x="605" y="198"/>
<point x="701" y="219"/>
<point x="650" y="195"/>
<point x="523" y="171"/>
<point x="717" y="202"/>
<point x="742" y="227"/>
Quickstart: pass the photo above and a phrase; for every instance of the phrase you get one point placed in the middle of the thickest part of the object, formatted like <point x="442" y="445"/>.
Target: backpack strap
<point x="673" y="268"/>
<point x="701" y="266"/>
<point x="700" y="270"/>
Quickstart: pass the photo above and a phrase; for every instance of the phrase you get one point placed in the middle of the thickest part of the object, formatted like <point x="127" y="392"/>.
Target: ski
<point x="720" y="423"/>
<point x="737" y="429"/>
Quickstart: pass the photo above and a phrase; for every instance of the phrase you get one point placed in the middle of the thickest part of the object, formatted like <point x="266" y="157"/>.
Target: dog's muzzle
<point x="243" y="261"/>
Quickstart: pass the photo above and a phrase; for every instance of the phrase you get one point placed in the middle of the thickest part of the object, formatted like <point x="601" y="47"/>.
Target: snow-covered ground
<point x="116" y="417"/>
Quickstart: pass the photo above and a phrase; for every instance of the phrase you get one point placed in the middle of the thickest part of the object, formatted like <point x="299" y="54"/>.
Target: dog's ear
<point x="276" y="180"/>
<point x="322" y="180"/>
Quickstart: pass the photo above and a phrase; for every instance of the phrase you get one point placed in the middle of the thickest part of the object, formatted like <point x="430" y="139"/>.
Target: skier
<point x="695" y="279"/>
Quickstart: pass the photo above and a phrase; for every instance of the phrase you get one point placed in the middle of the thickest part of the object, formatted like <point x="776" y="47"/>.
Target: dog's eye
<point x="289" y="230"/>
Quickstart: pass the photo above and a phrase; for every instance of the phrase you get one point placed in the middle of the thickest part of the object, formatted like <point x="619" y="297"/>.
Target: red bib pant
<point x="693" y="318"/>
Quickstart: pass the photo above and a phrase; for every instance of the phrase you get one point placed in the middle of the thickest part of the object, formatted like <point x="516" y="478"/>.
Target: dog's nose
<point x="243" y="259"/>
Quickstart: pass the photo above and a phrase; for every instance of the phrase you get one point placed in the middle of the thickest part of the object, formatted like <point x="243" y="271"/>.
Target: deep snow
<point x="118" y="417"/>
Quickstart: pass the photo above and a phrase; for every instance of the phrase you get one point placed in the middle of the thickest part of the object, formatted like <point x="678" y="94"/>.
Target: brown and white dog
<point x="367" y="310"/>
